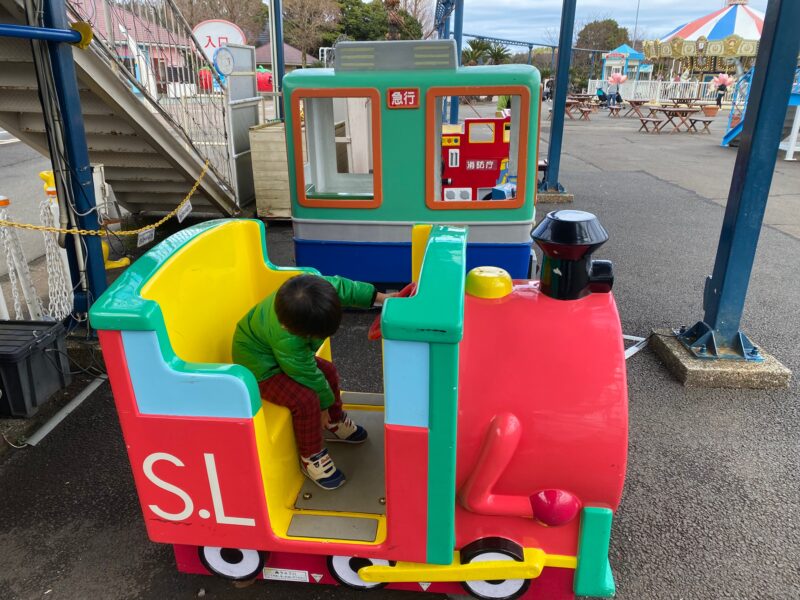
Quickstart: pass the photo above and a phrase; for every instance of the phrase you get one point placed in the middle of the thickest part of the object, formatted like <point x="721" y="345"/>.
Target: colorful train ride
<point x="497" y="450"/>
<point x="367" y="159"/>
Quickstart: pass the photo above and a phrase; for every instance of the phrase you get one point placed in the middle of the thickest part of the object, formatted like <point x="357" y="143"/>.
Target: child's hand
<point x="325" y="417"/>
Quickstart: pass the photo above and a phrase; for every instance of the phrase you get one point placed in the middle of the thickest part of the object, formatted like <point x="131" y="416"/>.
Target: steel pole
<point x="718" y="335"/>
<point x="560" y="99"/>
<point x="278" y="68"/>
<point x="446" y="36"/>
<point x="458" y="34"/>
<point x="80" y="172"/>
<point x="39" y="33"/>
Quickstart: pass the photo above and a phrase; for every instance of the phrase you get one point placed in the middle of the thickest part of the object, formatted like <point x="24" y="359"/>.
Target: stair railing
<point x="150" y="45"/>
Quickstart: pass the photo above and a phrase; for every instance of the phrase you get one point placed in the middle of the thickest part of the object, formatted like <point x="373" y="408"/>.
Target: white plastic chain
<point x="60" y="294"/>
<point x="5" y="236"/>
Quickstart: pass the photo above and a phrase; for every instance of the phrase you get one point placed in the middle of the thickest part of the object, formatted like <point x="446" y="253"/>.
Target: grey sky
<point x="539" y="20"/>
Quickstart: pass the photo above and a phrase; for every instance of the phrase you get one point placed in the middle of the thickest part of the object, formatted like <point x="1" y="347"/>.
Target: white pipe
<point x="793" y="135"/>
<point x="53" y="422"/>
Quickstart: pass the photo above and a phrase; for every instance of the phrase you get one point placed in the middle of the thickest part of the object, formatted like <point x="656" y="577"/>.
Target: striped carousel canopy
<point x="735" y="19"/>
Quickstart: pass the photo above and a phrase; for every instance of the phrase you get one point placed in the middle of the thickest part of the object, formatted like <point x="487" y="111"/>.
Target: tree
<point x="602" y="34"/>
<point x="422" y="11"/>
<point x="370" y="21"/>
<point x="475" y="52"/>
<point x="498" y="54"/>
<point x="306" y="21"/>
<point x="250" y="15"/>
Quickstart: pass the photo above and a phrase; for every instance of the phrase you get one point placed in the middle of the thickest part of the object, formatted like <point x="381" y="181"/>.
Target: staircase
<point x="150" y="119"/>
<point x="739" y="105"/>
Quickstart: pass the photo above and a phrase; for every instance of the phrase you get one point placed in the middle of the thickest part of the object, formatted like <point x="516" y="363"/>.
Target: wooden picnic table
<point x="689" y="102"/>
<point x="676" y="112"/>
<point x="636" y="108"/>
<point x="571" y="104"/>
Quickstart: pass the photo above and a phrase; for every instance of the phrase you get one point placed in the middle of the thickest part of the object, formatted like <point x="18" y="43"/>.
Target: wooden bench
<point x="585" y="112"/>
<point x="613" y="111"/>
<point x="706" y="121"/>
<point x="647" y="121"/>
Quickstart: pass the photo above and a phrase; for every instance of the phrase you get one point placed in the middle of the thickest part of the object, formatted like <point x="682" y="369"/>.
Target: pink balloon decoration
<point x="617" y="78"/>
<point x="722" y="79"/>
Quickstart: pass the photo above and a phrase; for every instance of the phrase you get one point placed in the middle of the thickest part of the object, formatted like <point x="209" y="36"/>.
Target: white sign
<point x="214" y="33"/>
<point x="285" y="575"/>
<point x="145" y="237"/>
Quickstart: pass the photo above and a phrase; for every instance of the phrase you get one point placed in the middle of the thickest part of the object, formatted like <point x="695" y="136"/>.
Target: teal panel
<point x="593" y="575"/>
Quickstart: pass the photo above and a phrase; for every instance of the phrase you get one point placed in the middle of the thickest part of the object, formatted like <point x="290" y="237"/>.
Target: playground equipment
<point x="367" y="163"/>
<point x="741" y="95"/>
<point x="495" y="462"/>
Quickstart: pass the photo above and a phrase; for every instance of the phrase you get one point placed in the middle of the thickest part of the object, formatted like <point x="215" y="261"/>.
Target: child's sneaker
<point x="346" y="431"/>
<point x="321" y="470"/>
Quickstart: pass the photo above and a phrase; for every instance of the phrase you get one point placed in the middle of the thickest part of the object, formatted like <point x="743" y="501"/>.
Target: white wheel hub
<point x="345" y="570"/>
<point x="232" y="563"/>
<point x="495" y="590"/>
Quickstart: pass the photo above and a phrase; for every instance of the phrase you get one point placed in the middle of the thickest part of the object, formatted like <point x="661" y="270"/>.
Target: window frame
<point x="430" y="144"/>
<point x="377" y="173"/>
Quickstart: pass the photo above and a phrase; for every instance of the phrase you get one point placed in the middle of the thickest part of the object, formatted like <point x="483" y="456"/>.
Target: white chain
<point x="60" y="296"/>
<point x="12" y="271"/>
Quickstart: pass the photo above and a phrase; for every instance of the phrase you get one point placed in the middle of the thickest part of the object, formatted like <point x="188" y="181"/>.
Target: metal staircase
<point x="739" y="99"/>
<point x="151" y="119"/>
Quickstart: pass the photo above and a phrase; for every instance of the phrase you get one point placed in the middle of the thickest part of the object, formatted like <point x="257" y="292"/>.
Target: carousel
<point x="725" y="41"/>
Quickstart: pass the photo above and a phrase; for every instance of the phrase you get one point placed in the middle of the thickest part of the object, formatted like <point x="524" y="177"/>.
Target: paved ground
<point x="19" y="181"/>
<point x="713" y="490"/>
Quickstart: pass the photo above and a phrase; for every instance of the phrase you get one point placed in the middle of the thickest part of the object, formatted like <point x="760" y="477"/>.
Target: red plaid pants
<point x="303" y="402"/>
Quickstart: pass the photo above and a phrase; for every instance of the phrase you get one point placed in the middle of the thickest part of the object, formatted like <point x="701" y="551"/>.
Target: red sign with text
<point x="402" y="98"/>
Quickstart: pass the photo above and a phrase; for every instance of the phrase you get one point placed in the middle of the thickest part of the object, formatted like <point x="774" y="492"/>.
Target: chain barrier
<point x="60" y="297"/>
<point x="5" y="222"/>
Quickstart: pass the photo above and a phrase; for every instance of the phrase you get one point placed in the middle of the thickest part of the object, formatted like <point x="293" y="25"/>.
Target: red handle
<point x="374" y="332"/>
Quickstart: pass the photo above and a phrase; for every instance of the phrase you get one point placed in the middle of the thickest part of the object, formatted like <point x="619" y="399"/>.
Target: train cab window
<point x="339" y="153"/>
<point x="480" y="163"/>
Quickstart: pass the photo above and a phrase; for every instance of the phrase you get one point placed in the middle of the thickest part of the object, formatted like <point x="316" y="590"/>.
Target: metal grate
<point x="149" y="44"/>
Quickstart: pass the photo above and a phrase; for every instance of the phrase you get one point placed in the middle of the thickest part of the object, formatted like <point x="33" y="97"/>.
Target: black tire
<point x="344" y="569"/>
<point x="235" y="564"/>
<point x="494" y="549"/>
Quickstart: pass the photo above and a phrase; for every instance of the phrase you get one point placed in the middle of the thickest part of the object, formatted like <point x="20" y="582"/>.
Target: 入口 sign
<point x="214" y="33"/>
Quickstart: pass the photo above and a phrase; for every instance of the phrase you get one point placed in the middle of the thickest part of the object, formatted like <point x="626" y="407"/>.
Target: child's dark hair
<point x="308" y="306"/>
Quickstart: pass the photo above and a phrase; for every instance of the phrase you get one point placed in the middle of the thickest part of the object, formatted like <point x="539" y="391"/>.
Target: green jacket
<point x="262" y="345"/>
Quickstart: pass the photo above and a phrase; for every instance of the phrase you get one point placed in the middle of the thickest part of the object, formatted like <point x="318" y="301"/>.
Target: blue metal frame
<point x="27" y="32"/>
<point x="458" y="34"/>
<point x="550" y="183"/>
<point x="77" y="157"/>
<point x="278" y="69"/>
<point x="718" y="334"/>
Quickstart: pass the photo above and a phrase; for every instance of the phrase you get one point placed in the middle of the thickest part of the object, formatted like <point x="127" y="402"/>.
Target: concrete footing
<point x="554" y="197"/>
<point x="721" y="373"/>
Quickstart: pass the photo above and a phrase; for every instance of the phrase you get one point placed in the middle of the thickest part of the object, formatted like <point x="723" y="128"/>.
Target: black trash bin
<point x="33" y="365"/>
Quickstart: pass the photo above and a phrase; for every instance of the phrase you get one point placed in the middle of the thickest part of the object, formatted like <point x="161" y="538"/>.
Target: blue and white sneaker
<point x="321" y="470"/>
<point x="346" y="431"/>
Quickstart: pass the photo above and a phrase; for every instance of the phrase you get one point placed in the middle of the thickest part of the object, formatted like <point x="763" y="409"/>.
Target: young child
<point x="278" y="340"/>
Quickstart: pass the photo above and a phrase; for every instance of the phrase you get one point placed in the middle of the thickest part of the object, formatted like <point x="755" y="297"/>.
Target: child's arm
<point x="357" y="294"/>
<point x="297" y="361"/>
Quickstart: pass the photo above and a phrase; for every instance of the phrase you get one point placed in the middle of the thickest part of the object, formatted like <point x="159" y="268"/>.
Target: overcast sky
<point x="539" y="20"/>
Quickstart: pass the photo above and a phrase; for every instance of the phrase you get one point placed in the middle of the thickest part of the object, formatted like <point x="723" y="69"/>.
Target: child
<point x="278" y="340"/>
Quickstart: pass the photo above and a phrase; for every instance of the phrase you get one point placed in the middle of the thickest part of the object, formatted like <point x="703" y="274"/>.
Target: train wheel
<point x="494" y="549"/>
<point x="344" y="569"/>
<point x="236" y="564"/>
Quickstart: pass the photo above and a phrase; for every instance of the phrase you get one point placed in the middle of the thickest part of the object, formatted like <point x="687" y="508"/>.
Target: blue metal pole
<point x="40" y="33"/>
<point x="560" y="99"/>
<point x="278" y="69"/>
<point x="77" y="153"/>
<point x="718" y="335"/>
<point x="458" y="34"/>
<point x="446" y="36"/>
<point x="530" y="55"/>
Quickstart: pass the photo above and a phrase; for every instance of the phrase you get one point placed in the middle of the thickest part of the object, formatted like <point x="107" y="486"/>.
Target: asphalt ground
<point x="710" y="508"/>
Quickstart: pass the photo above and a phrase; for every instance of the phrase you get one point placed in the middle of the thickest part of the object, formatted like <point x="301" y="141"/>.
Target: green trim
<point x="593" y="576"/>
<point x="122" y="307"/>
<point x="441" y="531"/>
<point x="436" y="312"/>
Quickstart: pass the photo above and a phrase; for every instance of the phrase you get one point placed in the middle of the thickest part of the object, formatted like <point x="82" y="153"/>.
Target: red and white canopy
<point x="736" y="18"/>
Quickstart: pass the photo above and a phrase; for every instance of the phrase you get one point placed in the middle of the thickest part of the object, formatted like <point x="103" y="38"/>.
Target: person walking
<point x="721" y="89"/>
